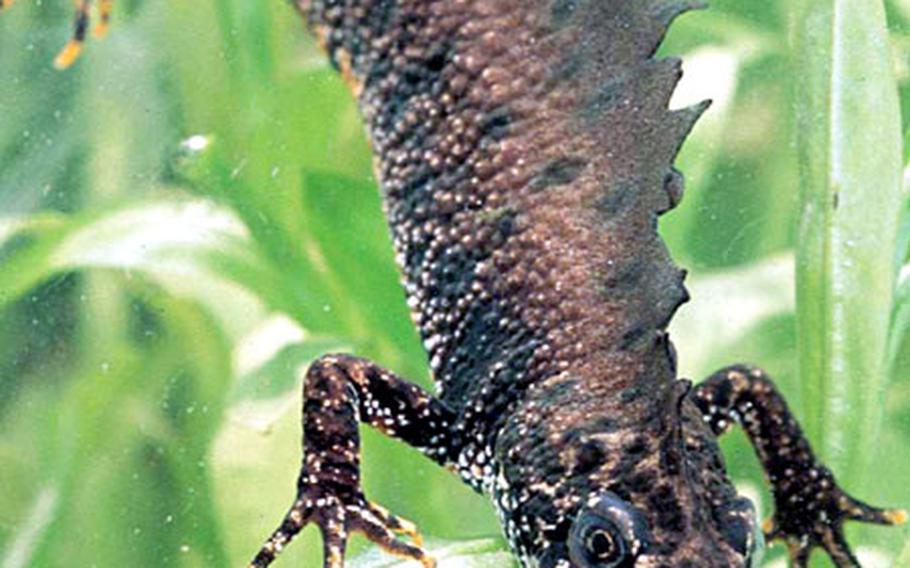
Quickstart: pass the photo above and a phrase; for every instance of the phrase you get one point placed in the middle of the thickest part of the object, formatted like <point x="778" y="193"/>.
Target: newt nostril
<point x="739" y="529"/>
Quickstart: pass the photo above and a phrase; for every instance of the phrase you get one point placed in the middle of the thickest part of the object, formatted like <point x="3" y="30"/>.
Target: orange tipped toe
<point x="68" y="55"/>
<point x="896" y="516"/>
<point x="104" y="16"/>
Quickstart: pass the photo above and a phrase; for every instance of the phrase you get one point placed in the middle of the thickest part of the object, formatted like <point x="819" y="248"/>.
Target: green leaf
<point x="25" y="247"/>
<point x="33" y="529"/>
<point x="903" y="233"/>
<point x="755" y="293"/>
<point x="191" y="246"/>
<point x="343" y="218"/>
<point x="850" y="144"/>
<point x="709" y="73"/>
<point x="279" y="374"/>
<point x="483" y="553"/>
<point x="900" y="318"/>
<point x="904" y="558"/>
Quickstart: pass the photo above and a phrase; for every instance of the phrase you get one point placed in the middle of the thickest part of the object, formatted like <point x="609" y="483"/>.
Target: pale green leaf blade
<point x="279" y="375"/>
<point x="33" y="529"/>
<point x="900" y="317"/>
<point x="193" y="247"/>
<point x="850" y="144"/>
<point x="25" y="245"/>
<point x="753" y="293"/>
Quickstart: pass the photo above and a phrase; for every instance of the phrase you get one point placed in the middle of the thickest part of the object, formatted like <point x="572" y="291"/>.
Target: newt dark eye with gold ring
<point x="608" y="533"/>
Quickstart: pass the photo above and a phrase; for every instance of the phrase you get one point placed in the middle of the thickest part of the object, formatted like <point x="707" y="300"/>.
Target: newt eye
<point x="608" y="534"/>
<point x="601" y="544"/>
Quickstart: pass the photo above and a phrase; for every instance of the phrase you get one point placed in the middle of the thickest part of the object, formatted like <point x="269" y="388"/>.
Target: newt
<point x="525" y="151"/>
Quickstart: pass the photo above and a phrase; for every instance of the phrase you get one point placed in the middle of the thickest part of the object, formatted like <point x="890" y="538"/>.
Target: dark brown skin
<point x="525" y="152"/>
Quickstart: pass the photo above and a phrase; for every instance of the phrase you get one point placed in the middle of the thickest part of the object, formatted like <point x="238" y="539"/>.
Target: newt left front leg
<point x="340" y="393"/>
<point x="81" y="21"/>
<point x="809" y="506"/>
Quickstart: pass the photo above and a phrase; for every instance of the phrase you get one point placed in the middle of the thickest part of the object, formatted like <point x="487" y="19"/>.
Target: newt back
<point x="525" y="151"/>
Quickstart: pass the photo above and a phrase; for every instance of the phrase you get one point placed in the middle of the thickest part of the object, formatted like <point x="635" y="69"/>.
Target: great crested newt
<point x="525" y="150"/>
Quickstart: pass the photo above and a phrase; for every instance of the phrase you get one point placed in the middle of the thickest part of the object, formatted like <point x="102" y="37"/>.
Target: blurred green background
<point x="189" y="216"/>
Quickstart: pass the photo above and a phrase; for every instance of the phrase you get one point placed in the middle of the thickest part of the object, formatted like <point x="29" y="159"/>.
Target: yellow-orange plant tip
<point x="100" y="30"/>
<point x="69" y="54"/>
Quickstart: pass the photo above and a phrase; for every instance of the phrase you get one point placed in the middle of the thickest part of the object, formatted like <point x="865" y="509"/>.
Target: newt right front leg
<point x="810" y="508"/>
<point x="341" y="391"/>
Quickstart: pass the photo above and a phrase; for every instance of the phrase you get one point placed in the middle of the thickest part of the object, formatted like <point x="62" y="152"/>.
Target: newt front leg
<point x="81" y="20"/>
<point x="810" y="507"/>
<point x="340" y="392"/>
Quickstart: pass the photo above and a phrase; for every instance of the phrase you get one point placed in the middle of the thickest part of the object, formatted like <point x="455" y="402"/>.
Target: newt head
<point x="583" y="489"/>
<point x="609" y="532"/>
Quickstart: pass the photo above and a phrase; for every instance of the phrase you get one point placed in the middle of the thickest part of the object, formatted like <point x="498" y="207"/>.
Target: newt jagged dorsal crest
<point x="525" y="151"/>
